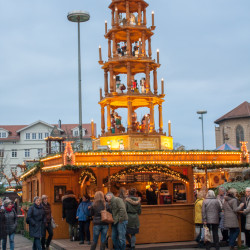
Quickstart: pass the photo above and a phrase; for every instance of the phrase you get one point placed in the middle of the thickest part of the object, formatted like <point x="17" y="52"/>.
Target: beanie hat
<point x="7" y="202"/>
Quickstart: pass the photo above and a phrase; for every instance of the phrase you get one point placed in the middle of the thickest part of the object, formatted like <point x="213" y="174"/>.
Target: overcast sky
<point x="204" y="52"/>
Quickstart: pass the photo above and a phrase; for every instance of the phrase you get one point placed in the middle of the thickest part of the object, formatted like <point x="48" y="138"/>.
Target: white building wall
<point x="32" y="145"/>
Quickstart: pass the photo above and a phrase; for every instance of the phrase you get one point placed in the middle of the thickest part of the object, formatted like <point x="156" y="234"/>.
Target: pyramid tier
<point x="138" y="65"/>
<point x="138" y="100"/>
<point x="135" y="32"/>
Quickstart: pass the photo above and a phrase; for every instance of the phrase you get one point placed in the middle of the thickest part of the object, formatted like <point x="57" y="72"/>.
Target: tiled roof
<point x="12" y="130"/>
<point x="67" y="128"/>
<point x="242" y="111"/>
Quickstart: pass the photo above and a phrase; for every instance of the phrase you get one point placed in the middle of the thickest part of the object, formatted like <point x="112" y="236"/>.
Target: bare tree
<point x="4" y="163"/>
<point x="178" y="146"/>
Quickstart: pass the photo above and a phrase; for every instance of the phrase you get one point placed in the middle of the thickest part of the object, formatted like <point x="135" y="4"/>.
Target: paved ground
<point x="21" y="243"/>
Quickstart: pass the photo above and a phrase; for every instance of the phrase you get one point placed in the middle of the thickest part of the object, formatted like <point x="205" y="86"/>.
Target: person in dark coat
<point x="83" y="216"/>
<point x="151" y="196"/>
<point x="10" y="223"/>
<point x="69" y="208"/>
<point x="99" y="227"/>
<point x="211" y="208"/>
<point x="133" y="208"/>
<point x="47" y="225"/>
<point x="36" y="219"/>
<point x="2" y="222"/>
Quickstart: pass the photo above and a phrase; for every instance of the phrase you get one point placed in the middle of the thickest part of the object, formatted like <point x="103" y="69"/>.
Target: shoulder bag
<point x="106" y="217"/>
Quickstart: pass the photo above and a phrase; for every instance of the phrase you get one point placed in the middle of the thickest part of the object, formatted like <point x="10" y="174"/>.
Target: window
<point x="239" y="135"/>
<point x="27" y="136"/>
<point x="46" y="135"/>
<point x="14" y="142"/>
<point x="13" y="153"/>
<point x="76" y="133"/>
<point x="40" y="136"/>
<point x="1" y="153"/>
<point x="40" y="152"/>
<point x="1" y="142"/>
<point x="4" y="134"/>
<point x="33" y="136"/>
<point x="26" y="153"/>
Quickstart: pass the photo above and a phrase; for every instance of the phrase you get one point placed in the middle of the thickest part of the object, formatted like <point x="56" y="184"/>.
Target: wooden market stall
<point x="92" y="171"/>
<point x="139" y="155"/>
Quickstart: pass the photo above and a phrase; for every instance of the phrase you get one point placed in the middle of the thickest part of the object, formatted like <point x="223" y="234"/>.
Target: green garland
<point x="85" y="172"/>
<point x="63" y="168"/>
<point x="223" y="165"/>
<point x="89" y="173"/>
<point x="146" y="168"/>
<point x="37" y="167"/>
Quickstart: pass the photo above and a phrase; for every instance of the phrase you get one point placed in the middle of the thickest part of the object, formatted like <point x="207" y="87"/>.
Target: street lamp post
<point x="79" y="17"/>
<point x="201" y="113"/>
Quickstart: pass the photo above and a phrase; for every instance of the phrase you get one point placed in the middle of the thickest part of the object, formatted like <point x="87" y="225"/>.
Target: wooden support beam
<point x="103" y="119"/>
<point x="155" y="82"/>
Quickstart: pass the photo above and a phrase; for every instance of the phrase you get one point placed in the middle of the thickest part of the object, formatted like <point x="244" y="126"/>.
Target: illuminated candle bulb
<point x="116" y="16"/>
<point x="158" y="56"/>
<point x="169" y="128"/>
<point x="100" y="53"/>
<point x="162" y="86"/>
<point x="153" y="18"/>
<point x="106" y="27"/>
<point x="92" y="129"/>
<point x="140" y="46"/>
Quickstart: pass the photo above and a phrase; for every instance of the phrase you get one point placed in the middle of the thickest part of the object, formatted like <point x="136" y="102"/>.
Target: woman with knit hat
<point x="10" y="223"/>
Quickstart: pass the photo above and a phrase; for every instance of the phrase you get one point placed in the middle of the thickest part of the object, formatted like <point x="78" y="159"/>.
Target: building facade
<point x="21" y="143"/>
<point x="234" y="126"/>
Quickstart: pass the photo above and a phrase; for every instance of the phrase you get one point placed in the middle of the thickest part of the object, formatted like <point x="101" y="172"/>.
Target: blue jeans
<point x="119" y="235"/>
<point x="97" y="229"/>
<point x="234" y="232"/>
<point x="37" y="244"/>
<point x="11" y="239"/>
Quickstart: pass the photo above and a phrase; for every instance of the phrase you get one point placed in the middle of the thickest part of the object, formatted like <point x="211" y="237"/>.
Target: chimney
<point x="60" y="123"/>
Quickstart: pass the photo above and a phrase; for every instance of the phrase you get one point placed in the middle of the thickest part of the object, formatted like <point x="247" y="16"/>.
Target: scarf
<point x="8" y="209"/>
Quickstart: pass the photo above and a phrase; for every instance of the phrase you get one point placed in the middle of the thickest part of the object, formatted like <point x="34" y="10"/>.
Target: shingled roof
<point x="242" y="111"/>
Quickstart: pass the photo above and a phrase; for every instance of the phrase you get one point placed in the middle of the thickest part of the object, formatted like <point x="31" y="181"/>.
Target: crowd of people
<point x="124" y="208"/>
<point x="219" y="212"/>
<point x="223" y="212"/>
